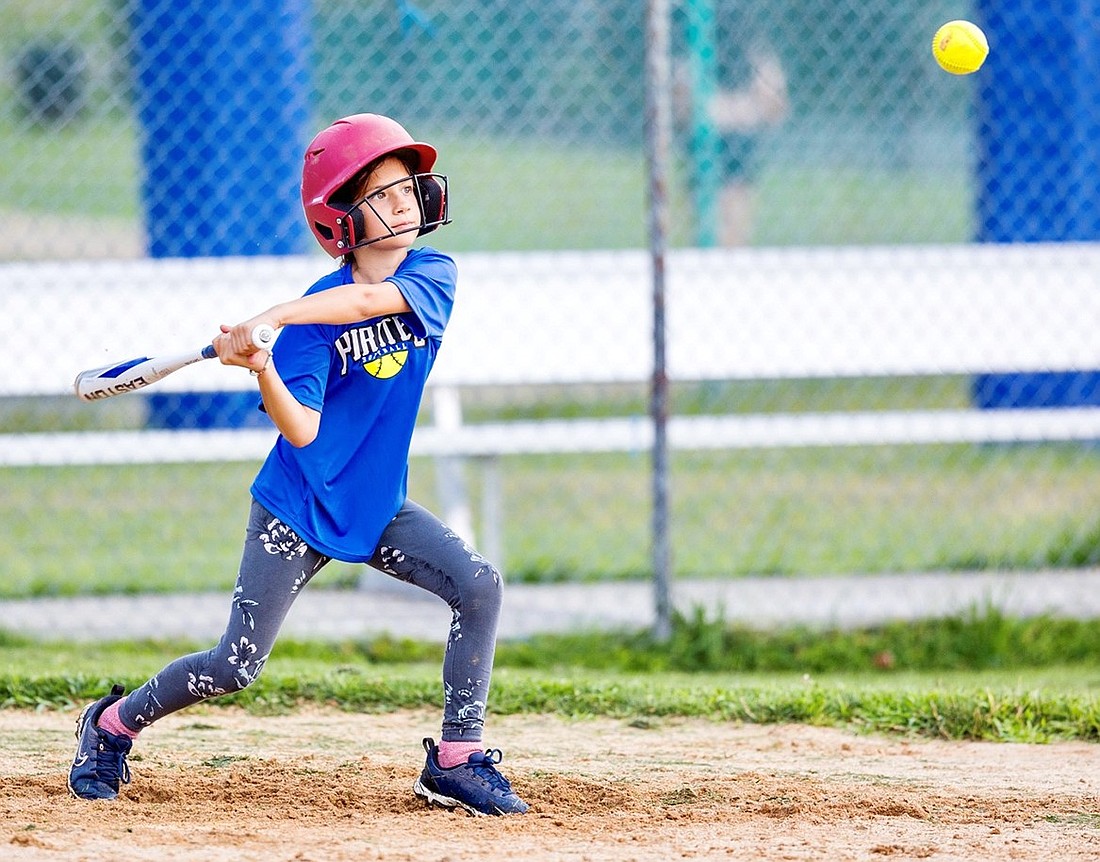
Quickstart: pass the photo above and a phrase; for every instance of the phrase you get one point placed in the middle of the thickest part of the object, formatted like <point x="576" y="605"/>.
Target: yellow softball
<point x="960" y="47"/>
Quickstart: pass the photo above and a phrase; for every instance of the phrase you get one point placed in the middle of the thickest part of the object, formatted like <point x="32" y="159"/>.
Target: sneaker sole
<point x="433" y="798"/>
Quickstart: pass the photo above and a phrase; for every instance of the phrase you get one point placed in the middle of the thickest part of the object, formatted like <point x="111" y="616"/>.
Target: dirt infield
<point x="325" y="786"/>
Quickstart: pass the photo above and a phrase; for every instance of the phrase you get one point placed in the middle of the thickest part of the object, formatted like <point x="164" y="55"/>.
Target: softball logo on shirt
<point x="386" y="365"/>
<point x="381" y="347"/>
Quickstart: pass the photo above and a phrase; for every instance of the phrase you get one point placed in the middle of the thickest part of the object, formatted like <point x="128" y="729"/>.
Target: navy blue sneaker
<point x="100" y="761"/>
<point x="475" y="786"/>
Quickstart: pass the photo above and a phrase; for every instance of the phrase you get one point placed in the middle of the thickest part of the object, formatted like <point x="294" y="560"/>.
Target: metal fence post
<point x="657" y="132"/>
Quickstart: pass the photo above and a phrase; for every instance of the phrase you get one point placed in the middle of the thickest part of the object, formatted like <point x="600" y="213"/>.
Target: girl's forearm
<point x="296" y="422"/>
<point x="348" y="303"/>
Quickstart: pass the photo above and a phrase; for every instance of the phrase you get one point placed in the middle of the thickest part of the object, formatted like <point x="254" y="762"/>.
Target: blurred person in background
<point x="729" y="90"/>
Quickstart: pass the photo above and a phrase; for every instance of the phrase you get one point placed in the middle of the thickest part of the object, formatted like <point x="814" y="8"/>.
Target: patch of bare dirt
<point x="326" y="786"/>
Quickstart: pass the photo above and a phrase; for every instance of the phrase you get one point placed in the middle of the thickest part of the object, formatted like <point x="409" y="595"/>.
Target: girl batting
<point x="343" y="386"/>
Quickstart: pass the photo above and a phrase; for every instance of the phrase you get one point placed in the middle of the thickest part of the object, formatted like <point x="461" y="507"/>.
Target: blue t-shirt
<point x="366" y="380"/>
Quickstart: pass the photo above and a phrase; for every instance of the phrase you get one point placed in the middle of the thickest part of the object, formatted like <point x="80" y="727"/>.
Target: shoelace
<point x="111" y="764"/>
<point x="484" y="766"/>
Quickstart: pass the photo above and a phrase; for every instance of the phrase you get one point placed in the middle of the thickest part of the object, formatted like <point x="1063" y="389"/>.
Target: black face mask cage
<point x="431" y="195"/>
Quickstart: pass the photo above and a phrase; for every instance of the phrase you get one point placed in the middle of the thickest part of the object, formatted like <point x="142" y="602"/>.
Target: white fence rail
<point x="584" y="317"/>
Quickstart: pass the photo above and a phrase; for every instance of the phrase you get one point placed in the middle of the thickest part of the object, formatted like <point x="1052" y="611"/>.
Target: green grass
<point x="1020" y="693"/>
<point x="554" y="196"/>
<point x="853" y="207"/>
<point x="76" y="530"/>
<point x="1052" y="652"/>
<point x="552" y="200"/>
<point x="71" y="530"/>
<point x="980" y="640"/>
<point x="555" y="188"/>
<point x="179" y="527"/>
<point x="99" y="178"/>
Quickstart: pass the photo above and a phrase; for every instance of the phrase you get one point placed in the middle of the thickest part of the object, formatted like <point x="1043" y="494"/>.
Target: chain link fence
<point x="880" y="278"/>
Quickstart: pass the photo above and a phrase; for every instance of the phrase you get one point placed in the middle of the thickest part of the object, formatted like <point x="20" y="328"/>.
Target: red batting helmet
<point x="337" y="154"/>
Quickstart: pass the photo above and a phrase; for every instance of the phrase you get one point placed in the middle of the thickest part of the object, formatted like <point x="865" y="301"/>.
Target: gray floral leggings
<point x="276" y="564"/>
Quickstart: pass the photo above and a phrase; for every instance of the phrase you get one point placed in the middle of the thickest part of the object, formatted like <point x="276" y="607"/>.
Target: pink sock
<point x="454" y="753"/>
<point x="110" y="722"/>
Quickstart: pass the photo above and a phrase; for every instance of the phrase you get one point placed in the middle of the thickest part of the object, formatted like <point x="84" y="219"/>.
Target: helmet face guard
<point x="338" y="154"/>
<point x="431" y="195"/>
